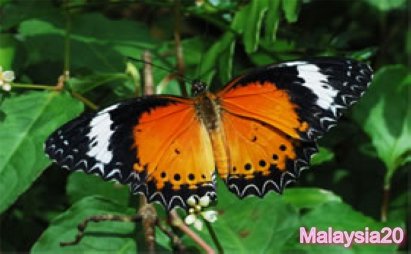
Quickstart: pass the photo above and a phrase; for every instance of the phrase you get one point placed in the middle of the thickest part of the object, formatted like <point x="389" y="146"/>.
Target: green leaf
<point x="309" y="197"/>
<point x="385" y="115"/>
<point x="272" y="20"/>
<point x="291" y="9"/>
<point x="92" y="27"/>
<point x="399" y="207"/>
<point x="250" y="18"/>
<point x="387" y="5"/>
<point x="13" y="13"/>
<point x="212" y="55"/>
<point x="28" y="121"/>
<point x="81" y="185"/>
<point x="323" y="155"/>
<point x="7" y="51"/>
<point x="340" y="216"/>
<point x="225" y="63"/>
<point x="91" y="37"/>
<point x="102" y="237"/>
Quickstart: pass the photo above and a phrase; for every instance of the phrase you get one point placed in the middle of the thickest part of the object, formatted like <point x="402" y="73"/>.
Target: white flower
<point x="6" y="77"/>
<point x="196" y="215"/>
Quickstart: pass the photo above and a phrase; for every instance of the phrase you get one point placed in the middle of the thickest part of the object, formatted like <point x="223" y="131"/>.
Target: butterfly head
<point x="198" y="87"/>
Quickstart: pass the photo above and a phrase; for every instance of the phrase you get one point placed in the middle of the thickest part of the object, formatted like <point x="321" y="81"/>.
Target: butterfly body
<point x="257" y="133"/>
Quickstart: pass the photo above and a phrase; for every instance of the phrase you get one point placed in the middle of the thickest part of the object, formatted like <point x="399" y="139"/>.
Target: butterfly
<point x="257" y="133"/>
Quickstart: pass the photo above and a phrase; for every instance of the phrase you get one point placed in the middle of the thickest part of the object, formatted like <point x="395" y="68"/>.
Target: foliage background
<point x="360" y="178"/>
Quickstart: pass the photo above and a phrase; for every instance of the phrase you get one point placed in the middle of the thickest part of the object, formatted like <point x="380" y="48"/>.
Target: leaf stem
<point x="66" y="67"/>
<point x="32" y="86"/>
<point x="86" y="101"/>
<point x="214" y="237"/>
<point x="385" y="202"/>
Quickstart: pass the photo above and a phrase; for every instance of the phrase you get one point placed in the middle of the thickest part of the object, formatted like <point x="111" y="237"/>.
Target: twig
<point x="60" y="86"/>
<point x="99" y="218"/>
<point x="177" y="222"/>
<point x="179" y="49"/>
<point x="148" y="74"/>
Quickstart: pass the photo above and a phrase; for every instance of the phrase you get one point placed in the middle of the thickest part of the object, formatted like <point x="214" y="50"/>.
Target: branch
<point x="99" y="218"/>
<point x="149" y="220"/>
<point x="175" y="240"/>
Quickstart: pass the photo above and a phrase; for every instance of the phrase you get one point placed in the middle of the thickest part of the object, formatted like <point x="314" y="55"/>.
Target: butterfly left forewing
<point x="151" y="143"/>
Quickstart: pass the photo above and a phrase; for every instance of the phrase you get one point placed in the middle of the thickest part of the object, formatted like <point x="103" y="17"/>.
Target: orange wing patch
<point x="266" y="103"/>
<point x="174" y="153"/>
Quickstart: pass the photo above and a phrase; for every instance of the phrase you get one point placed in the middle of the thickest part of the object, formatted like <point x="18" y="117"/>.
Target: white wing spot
<point x="101" y="133"/>
<point x="315" y="81"/>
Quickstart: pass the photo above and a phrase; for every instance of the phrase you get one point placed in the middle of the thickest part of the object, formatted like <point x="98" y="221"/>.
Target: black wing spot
<point x="283" y="147"/>
<point x="275" y="157"/>
<point x="191" y="177"/>
<point x="177" y="177"/>
<point x="247" y="166"/>
<point x="163" y="174"/>
<point x="234" y="169"/>
<point x="254" y="139"/>
<point x="177" y="151"/>
<point x="262" y="163"/>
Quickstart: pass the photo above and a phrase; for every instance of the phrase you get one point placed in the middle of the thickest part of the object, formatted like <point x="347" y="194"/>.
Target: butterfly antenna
<point x="175" y="72"/>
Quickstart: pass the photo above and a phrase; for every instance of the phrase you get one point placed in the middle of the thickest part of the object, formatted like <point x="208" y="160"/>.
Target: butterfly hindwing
<point x="151" y="143"/>
<point x="279" y="111"/>
<point x="262" y="158"/>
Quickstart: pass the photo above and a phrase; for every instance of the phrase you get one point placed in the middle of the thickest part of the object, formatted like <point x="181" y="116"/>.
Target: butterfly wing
<point x="151" y="143"/>
<point x="273" y="116"/>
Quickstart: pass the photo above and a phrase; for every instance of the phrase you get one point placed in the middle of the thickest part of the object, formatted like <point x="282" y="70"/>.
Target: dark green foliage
<point x="367" y="155"/>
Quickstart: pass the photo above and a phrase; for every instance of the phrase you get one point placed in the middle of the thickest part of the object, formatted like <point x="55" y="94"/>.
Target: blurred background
<point x="360" y="178"/>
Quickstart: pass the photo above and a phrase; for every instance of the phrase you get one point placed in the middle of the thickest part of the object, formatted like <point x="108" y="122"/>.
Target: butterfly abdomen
<point x="208" y="111"/>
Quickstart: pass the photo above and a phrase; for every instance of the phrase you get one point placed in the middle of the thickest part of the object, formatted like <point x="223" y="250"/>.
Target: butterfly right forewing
<point x="274" y="116"/>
